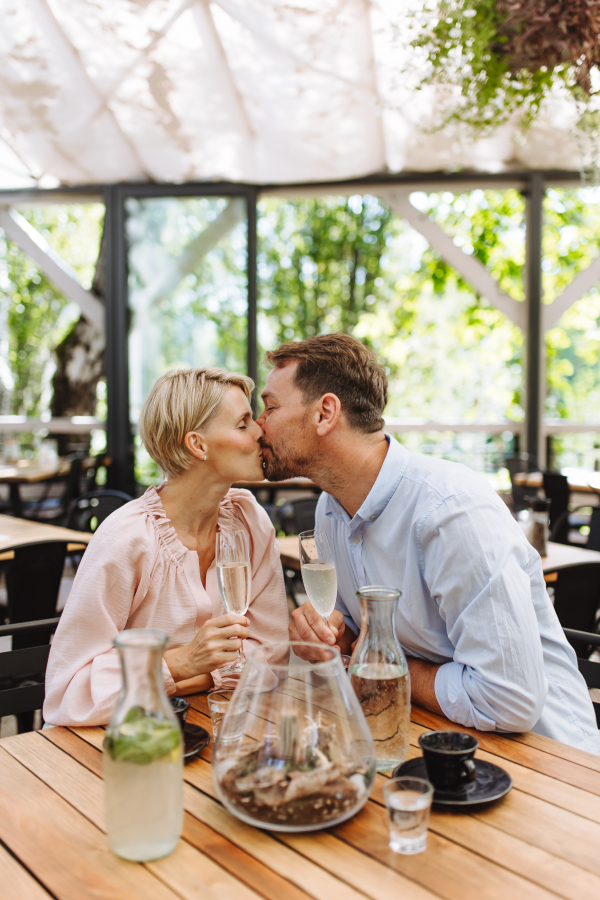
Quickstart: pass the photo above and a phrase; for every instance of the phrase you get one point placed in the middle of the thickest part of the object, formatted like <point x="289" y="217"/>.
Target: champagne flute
<point x="234" y="576"/>
<point x="318" y="571"/>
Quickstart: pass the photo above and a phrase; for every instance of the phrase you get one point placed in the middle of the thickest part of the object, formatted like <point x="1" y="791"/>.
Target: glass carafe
<point x="379" y="675"/>
<point x="143" y="755"/>
<point x="294" y="752"/>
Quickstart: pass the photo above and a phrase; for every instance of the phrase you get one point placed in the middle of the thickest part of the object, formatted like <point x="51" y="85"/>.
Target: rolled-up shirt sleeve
<point x="476" y="570"/>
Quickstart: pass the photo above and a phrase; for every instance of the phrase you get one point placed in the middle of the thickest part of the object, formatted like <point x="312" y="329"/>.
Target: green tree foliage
<point x="320" y="263"/>
<point x="37" y="314"/>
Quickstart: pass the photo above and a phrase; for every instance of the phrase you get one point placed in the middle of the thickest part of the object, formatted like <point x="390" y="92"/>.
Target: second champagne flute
<point x="234" y="576"/>
<point x="318" y="571"/>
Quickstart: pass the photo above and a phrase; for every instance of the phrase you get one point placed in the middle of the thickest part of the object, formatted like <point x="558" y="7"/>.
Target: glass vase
<point x="380" y="677"/>
<point x="294" y="752"/>
<point x="143" y="755"/>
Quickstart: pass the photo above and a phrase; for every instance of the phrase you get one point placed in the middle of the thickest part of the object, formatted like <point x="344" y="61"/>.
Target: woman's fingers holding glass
<point x="229" y="619"/>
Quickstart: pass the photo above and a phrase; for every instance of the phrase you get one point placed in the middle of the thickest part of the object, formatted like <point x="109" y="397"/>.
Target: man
<point x="484" y="644"/>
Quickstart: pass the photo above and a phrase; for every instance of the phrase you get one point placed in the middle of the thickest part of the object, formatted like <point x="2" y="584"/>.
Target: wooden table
<point x="21" y="531"/>
<point x="580" y="481"/>
<point x="31" y="471"/>
<point x="540" y="842"/>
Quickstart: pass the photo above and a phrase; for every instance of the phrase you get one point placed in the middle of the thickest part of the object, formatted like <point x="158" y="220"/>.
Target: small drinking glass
<point x="234" y="577"/>
<point x="408" y="802"/>
<point x="218" y="704"/>
<point x="318" y="571"/>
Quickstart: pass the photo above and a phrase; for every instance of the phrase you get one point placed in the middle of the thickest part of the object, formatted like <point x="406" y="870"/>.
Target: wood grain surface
<point x="540" y="841"/>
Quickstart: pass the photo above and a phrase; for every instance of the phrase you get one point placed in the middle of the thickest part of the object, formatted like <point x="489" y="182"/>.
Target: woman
<point x="151" y="564"/>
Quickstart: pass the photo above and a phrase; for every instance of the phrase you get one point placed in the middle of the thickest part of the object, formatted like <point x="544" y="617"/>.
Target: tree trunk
<point x="79" y="367"/>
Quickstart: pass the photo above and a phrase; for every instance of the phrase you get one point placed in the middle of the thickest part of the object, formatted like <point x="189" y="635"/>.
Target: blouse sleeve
<point x="83" y="677"/>
<point x="267" y="613"/>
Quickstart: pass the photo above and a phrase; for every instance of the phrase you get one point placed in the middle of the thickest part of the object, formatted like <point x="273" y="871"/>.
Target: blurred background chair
<point x="295" y="516"/>
<point x="57" y="493"/>
<point x="33" y="574"/>
<point x="577" y="599"/>
<point x="23" y="671"/>
<point x="590" y="669"/>
<point x="90" y="510"/>
<point x="517" y="465"/>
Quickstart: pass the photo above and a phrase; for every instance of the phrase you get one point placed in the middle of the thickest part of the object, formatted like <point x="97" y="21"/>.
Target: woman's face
<point x="231" y="438"/>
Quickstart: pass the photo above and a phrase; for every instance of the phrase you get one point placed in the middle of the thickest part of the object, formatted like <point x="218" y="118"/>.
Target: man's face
<point x="287" y="442"/>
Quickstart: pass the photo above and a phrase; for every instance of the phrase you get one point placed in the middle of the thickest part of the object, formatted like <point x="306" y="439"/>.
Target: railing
<point x="73" y="425"/>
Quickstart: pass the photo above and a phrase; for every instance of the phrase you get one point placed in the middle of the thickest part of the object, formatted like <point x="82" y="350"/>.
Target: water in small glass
<point x="318" y="571"/>
<point x="408" y="802"/>
<point x="234" y="577"/>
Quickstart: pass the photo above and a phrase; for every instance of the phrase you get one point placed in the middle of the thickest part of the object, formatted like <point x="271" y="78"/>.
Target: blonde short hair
<point x="180" y="402"/>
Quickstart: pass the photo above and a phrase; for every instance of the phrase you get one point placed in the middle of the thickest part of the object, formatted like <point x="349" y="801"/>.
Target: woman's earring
<point x="204" y="457"/>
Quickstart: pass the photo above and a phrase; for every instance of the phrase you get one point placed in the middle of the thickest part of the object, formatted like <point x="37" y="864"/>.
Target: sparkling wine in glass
<point x="234" y="576"/>
<point x="318" y="571"/>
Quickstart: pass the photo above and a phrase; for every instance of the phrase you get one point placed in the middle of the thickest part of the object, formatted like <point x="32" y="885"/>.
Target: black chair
<point x="574" y="520"/>
<point x="577" y="598"/>
<point x="556" y="489"/>
<point x="296" y="516"/>
<point x="517" y="465"/>
<point x="55" y="509"/>
<point x="33" y="578"/>
<point x="90" y="481"/>
<point x="23" y="672"/>
<point x="588" y="668"/>
<point x="90" y="510"/>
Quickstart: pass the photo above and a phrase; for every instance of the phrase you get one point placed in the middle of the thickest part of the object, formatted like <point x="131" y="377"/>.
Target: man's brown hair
<point x="338" y="364"/>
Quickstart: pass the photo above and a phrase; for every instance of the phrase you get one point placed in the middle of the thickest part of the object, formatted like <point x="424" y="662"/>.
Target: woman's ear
<point x="329" y="410"/>
<point x="196" y="445"/>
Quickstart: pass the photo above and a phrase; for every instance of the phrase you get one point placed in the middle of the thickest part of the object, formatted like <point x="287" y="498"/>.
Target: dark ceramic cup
<point x="449" y="759"/>
<point x="180" y="708"/>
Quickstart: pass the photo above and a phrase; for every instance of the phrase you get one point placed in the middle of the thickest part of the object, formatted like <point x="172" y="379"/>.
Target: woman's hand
<point x="215" y="644"/>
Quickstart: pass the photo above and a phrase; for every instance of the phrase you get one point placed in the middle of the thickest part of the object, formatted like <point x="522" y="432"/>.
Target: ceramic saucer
<point x="491" y="783"/>
<point x="195" y="739"/>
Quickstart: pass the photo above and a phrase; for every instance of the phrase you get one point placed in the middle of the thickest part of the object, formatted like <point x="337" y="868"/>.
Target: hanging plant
<point x="507" y="55"/>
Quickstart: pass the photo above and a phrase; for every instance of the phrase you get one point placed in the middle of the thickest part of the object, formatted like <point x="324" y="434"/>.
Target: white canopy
<point x="263" y="91"/>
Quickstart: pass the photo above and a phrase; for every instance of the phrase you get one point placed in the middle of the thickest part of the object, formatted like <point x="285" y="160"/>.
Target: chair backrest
<point x="101" y="461"/>
<point x="22" y="672"/>
<point x="576" y="600"/>
<point x="296" y="516"/>
<point x="593" y="541"/>
<point x="32" y="584"/>
<point x="588" y="668"/>
<point x="90" y="510"/>
<point x="516" y="465"/>
<point x="556" y="489"/>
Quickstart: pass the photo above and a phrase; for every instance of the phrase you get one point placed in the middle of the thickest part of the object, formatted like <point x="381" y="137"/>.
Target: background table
<point x="21" y="531"/>
<point x="559" y="555"/>
<point x="540" y="842"/>
<point x="31" y="471"/>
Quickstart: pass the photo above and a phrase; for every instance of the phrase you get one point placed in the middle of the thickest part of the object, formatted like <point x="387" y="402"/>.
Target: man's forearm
<point x="422" y="684"/>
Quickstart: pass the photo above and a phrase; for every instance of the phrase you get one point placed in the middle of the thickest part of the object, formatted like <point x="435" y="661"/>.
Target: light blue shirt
<point x="473" y="597"/>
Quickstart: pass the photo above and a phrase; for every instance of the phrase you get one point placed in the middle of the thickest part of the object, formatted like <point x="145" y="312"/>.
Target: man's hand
<point x="308" y="625"/>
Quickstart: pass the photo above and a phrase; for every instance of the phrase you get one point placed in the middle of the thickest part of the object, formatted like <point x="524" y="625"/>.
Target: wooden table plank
<point x="17" y="882"/>
<point x="559" y="875"/>
<point x="223" y="852"/>
<point x="14" y="532"/>
<point x="84" y="791"/>
<point x="62" y="848"/>
<point x="445" y="868"/>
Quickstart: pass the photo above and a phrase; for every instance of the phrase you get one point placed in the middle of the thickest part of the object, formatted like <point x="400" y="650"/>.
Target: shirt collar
<point x="381" y="493"/>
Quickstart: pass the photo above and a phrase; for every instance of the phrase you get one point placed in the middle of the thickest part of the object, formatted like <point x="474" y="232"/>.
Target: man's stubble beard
<point x="279" y="468"/>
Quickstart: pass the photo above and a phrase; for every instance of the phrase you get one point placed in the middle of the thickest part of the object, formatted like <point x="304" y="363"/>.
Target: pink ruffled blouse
<point x="136" y="573"/>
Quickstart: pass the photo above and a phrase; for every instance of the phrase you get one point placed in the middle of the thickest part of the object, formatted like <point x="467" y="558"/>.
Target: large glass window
<point x="188" y="296"/>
